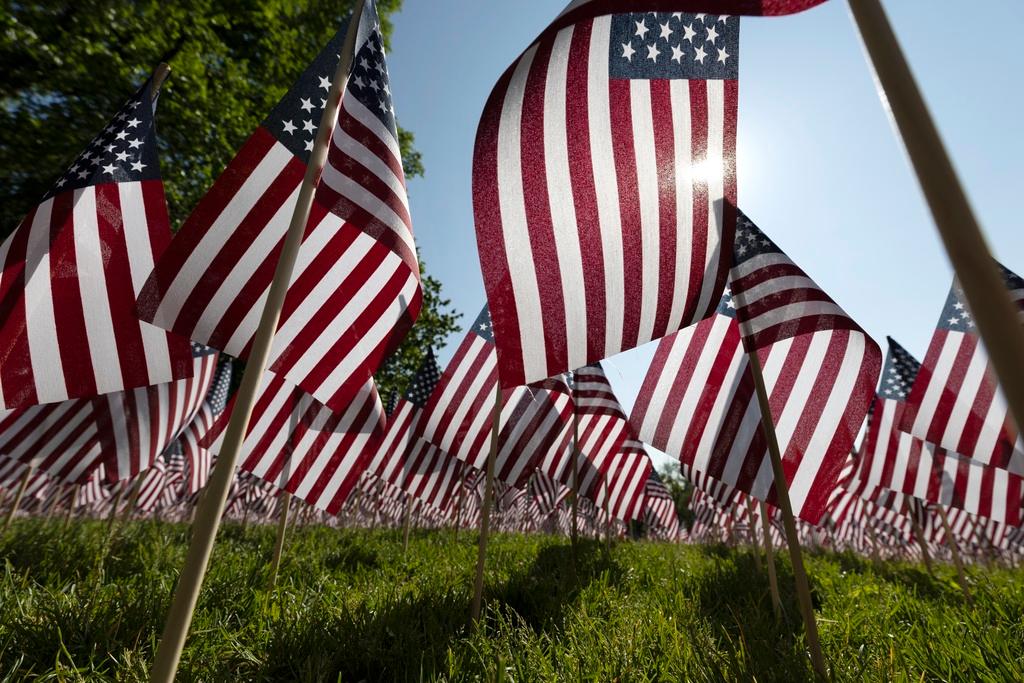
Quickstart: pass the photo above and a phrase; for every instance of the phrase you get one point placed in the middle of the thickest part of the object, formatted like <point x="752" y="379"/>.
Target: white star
<point x="306" y="105"/>
<point x="700" y="55"/>
<point x="309" y="145"/>
<point x="138" y="166"/>
<point x="374" y="86"/>
<point x="724" y="18"/>
<point x="641" y="29"/>
<point x="289" y="127"/>
<point x="109" y="169"/>
<point x="135" y="144"/>
<point x="722" y="55"/>
<point x="628" y="51"/>
<point x="323" y="102"/>
<point x="665" y="31"/>
<point x="688" y="32"/>
<point x="712" y="34"/>
<point x="325" y="83"/>
<point x="701" y="16"/>
<point x="730" y="303"/>
<point x="133" y="123"/>
<point x="121" y="135"/>
<point x="359" y="82"/>
<point x="109" y="148"/>
<point x="365" y="64"/>
<point x="122" y="156"/>
<point x="383" y="106"/>
<point x="677" y="15"/>
<point x="308" y="126"/>
<point x="677" y="54"/>
<point x="60" y="183"/>
<point x="958" y="306"/>
<point x="954" y="321"/>
<point x="652" y="53"/>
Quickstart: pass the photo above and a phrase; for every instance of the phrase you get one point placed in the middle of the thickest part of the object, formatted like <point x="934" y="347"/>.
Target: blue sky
<point x="820" y="168"/>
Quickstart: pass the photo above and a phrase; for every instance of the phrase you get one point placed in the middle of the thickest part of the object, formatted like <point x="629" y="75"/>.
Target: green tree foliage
<point x="68" y="65"/>
<point x="681" y="491"/>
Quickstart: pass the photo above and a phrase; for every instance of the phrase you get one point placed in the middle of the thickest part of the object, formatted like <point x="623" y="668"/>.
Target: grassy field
<point x="350" y="606"/>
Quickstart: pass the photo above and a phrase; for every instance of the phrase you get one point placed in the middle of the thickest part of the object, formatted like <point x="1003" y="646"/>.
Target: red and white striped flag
<point x="955" y="401"/>
<point x="623" y="481"/>
<point x="698" y="403"/>
<point x="604" y="178"/>
<point x="199" y="459"/>
<point x="299" y="445"/>
<point x="61" y="439"/>
<point x="72" y="269"/>
<point x="660" y="514"/>
<point x="355" y="290"/>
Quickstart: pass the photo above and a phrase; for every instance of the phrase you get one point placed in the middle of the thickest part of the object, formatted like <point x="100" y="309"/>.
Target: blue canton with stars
<point x="125" y="151"/>
<point x="750" y="241"/>
<point x="482" y="326"/>
<point x="664" y="45"/>
<point x="422" y="386"/>
<point x="898" y="373"/>
<point x="955" y="315"/>
<point x="727" y="306"/>
<point x="217" y="397"/>
<point x="295" y="119"/>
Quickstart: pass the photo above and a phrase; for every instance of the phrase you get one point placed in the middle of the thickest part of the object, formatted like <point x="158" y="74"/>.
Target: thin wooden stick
<point x="954" y="547"/>
<point x="485" y="513"/>
<point x="406" y="523"/>
<point x="17" y="499"/>
<point x="208" y="517"/>
<point x="994" y="313"/>
<point x="575" y="470"/>
<point x="133" y="499"/>
<point x="876" y="559"/>
<point x="282" y="528"/>
<point x="922" y="544"/>
<point x="753" y="535"/>
<point x="607" y="515"/>
<point x="769" y="554"/>
<point x="803" y="590"/>
<point x="71" y="508"/>
<point x="458" y="511"/>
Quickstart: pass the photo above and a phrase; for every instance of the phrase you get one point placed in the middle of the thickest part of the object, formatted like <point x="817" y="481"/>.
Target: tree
<point x="68" y="66"/>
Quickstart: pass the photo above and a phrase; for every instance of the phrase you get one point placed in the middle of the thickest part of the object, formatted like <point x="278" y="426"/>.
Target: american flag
<point x="660" y="508"/>
<point x="622" y="481"/>
<point x="956" y="402"/>
<point x="355" y="289"/>
<point x="896" y="460"/>
<point x="60" y="439"/>
<point x="580" y="9"/>
<point x="536" y="424"/>
<point x="457" y="416"/>
<point x="136" y="426"/>
<point x="698" y="402"/>
<point x="604" y="431"/>
<point x="198" y="458"/>
<point x="300" y="445"/>
<point x="603" y="185"/>
<point x="72" y="268"/>
<point x="154" y="479"/>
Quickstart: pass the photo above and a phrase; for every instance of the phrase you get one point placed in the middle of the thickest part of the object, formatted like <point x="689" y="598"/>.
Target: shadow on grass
<point x="539" y="595"/>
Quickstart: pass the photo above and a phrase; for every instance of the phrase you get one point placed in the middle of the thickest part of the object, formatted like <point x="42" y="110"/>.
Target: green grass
<point x="350" y="606"/>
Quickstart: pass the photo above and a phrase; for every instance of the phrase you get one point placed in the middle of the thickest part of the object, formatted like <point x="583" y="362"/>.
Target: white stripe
<point x="642" y="120"/>
<point x="934" y="389"/>
<point x="717" y="167"/>
<point x="974" y="380"/>
<point x="369" y="120"/>
<point x="371" y="162"/>
<point x="602" y="154"/>
<point x="788" y="313"/>
<point x="561" y="205"/>
<point x="40" y="318"/>
<point x="679" y="95"/>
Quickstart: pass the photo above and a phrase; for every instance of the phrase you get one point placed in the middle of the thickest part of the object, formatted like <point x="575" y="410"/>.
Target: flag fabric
<point x="698" y="401"/>
<point x="603" y="185"/>
<point x="199" y="460"/>
<point x="61" y="439"/>
<point x="891" y="459"/>
<point x="299" y="445"/>
<point x="535" y="420"/>
<point x="457" y="416"/>
<point x="577" y="10"/>
<point x="955" y="401"/>
<point x="604" y="431"/>
<point x="660" y="508"/>
<point x="72" y="268"/>
<point x="152" y="484"/>
<point x="355" y="290"/>
<point x="136" y="426"/>
<point x="623" y="481"/>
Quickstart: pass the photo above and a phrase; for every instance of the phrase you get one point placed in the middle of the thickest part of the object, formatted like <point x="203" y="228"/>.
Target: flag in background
<point x="355" y="290"/>
<point x="199" y="460"/>
<point x="72" y="269"/>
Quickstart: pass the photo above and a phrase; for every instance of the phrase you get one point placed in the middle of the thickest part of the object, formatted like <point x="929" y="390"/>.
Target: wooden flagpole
<point x="876" y="559"/>
<point x="485" y="513"/>
<point x="954" y="547"/>
<point x="71" y="508"/>
<point x="458" y="510"/>
<point x="17" y="499"/>
<point x="803" y="590"/>
<point x="133" y="499"/>
<point x="922" y="544"/>
<point x="282" y="528"/>
<point x="406" y="523"/>
<point x="575" y="468"/>
<point x="607" y="515"/>
<point x="993" y="311"/>
<point x="211" y="507"/>
<point x="753" y="534"/>
<point x="488" y="494"/>
<point x="769" y="555"/>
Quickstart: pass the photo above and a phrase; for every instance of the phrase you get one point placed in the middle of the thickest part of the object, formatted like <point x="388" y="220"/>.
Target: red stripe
<point x="620" y="109"/>
<point x="701" y="220"/>
<point x="665" y="159"/>
<point x="15" y="356"/>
